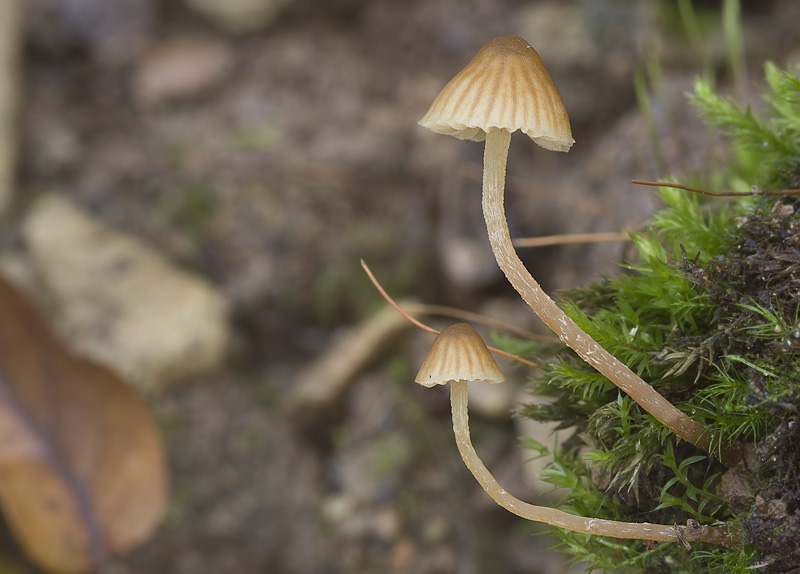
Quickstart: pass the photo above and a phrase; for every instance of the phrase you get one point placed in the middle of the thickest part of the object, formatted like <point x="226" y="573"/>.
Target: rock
<point x="465" y="254"/>
<point x="239" y="16"/>
<point x="491" y="401"/>
<point x="180" y="68"/>
<point x="121" y="303"/>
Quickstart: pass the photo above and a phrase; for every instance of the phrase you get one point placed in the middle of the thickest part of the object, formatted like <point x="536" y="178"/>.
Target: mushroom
<point x="506" y="87"/>
<point x="459" y="355"/>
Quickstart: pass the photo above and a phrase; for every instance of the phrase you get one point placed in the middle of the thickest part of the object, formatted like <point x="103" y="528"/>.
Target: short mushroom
<point x="506" y="87"/>
<point x="459" y="355"/>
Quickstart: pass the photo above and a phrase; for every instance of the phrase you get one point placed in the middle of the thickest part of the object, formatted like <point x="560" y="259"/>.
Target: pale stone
<point x="491" y="401"/>
<point x="180" y="68"/>
<point x="119" y="301"/>
<point x="239" y="16"/>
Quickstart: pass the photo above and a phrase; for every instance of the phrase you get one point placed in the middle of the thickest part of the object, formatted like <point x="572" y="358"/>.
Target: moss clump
<point x="709" y="314"/>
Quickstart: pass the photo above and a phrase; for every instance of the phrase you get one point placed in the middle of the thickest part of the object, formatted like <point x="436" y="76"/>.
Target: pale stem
<point x="494" y="173"/>
<point x="559" y="518"/>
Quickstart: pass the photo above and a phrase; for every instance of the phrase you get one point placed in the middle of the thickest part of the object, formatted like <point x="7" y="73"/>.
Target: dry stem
<point x="754" y="192"/>
<point x="570" y="238"/>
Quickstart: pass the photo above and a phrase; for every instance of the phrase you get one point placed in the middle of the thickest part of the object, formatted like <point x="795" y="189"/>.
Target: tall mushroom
<point x="506" y="87"/>
<point x="459" y="355"/>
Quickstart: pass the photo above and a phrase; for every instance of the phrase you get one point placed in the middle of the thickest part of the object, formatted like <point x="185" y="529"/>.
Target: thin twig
<point x="391" y="302"/>
<point x="569" y="238"/>
<point x="476" y="318"/>
<point x="755" y="192"/>
<point x="425" y="327"/>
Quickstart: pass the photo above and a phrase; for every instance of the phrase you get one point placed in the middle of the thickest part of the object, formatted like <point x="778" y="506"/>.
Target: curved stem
<point x="555" y="517"/>
<point x="494" y="174"/>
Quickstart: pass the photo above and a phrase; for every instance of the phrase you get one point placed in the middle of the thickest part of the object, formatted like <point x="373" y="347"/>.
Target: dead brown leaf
<point x="82" y="468"/>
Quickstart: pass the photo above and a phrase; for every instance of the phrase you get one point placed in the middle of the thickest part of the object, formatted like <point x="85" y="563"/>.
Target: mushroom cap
<point x="506" y="85"/>
<point x="458" y="354"/>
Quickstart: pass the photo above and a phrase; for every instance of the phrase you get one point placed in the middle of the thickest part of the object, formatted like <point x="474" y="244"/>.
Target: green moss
<point x="709" y="314"/>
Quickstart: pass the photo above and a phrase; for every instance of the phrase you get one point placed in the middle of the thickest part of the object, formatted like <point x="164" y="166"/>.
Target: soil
<point x="286" y="156"/>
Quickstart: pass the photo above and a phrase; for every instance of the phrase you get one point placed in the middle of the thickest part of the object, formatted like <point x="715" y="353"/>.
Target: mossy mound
<point x="709" y="314"/>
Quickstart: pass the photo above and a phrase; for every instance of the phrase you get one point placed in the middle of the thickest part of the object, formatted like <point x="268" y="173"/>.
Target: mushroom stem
<point x="494" y="173"/>
<point x="559" y="518"/>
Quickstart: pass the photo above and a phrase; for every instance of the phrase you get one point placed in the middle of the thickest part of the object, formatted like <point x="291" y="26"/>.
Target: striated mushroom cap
<point x="506" y="85"/>
<point x="458" y="354"/>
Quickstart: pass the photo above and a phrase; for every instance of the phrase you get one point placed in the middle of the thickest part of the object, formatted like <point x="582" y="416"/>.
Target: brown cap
<point x="458" y="354"/>
<point x="506" y="85"/>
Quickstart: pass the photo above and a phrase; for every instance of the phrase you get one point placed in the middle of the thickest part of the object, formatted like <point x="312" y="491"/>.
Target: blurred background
<point x="188" y="187"/>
